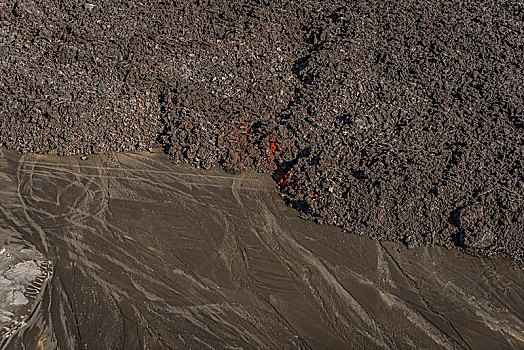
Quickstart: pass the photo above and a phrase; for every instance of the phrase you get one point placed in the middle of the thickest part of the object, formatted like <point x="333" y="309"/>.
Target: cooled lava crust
<point x="401" y="120"/>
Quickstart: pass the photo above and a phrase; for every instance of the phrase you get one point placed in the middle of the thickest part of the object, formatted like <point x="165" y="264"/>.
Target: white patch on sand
<point x="23" y="272"/>
<point x="16" y="298"/>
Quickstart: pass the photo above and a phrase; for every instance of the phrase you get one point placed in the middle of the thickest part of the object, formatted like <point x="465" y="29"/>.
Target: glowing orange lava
<point x="284" y="182"/>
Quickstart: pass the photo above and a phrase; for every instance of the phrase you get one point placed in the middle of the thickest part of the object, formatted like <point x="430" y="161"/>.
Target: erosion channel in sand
<point x="147" y="254"/>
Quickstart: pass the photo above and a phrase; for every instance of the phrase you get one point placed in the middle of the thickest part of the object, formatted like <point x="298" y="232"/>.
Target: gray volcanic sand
<point x="151" y="255"/>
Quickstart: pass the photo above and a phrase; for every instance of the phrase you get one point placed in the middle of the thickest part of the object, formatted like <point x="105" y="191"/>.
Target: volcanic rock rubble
<point x="400" y="120"/>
